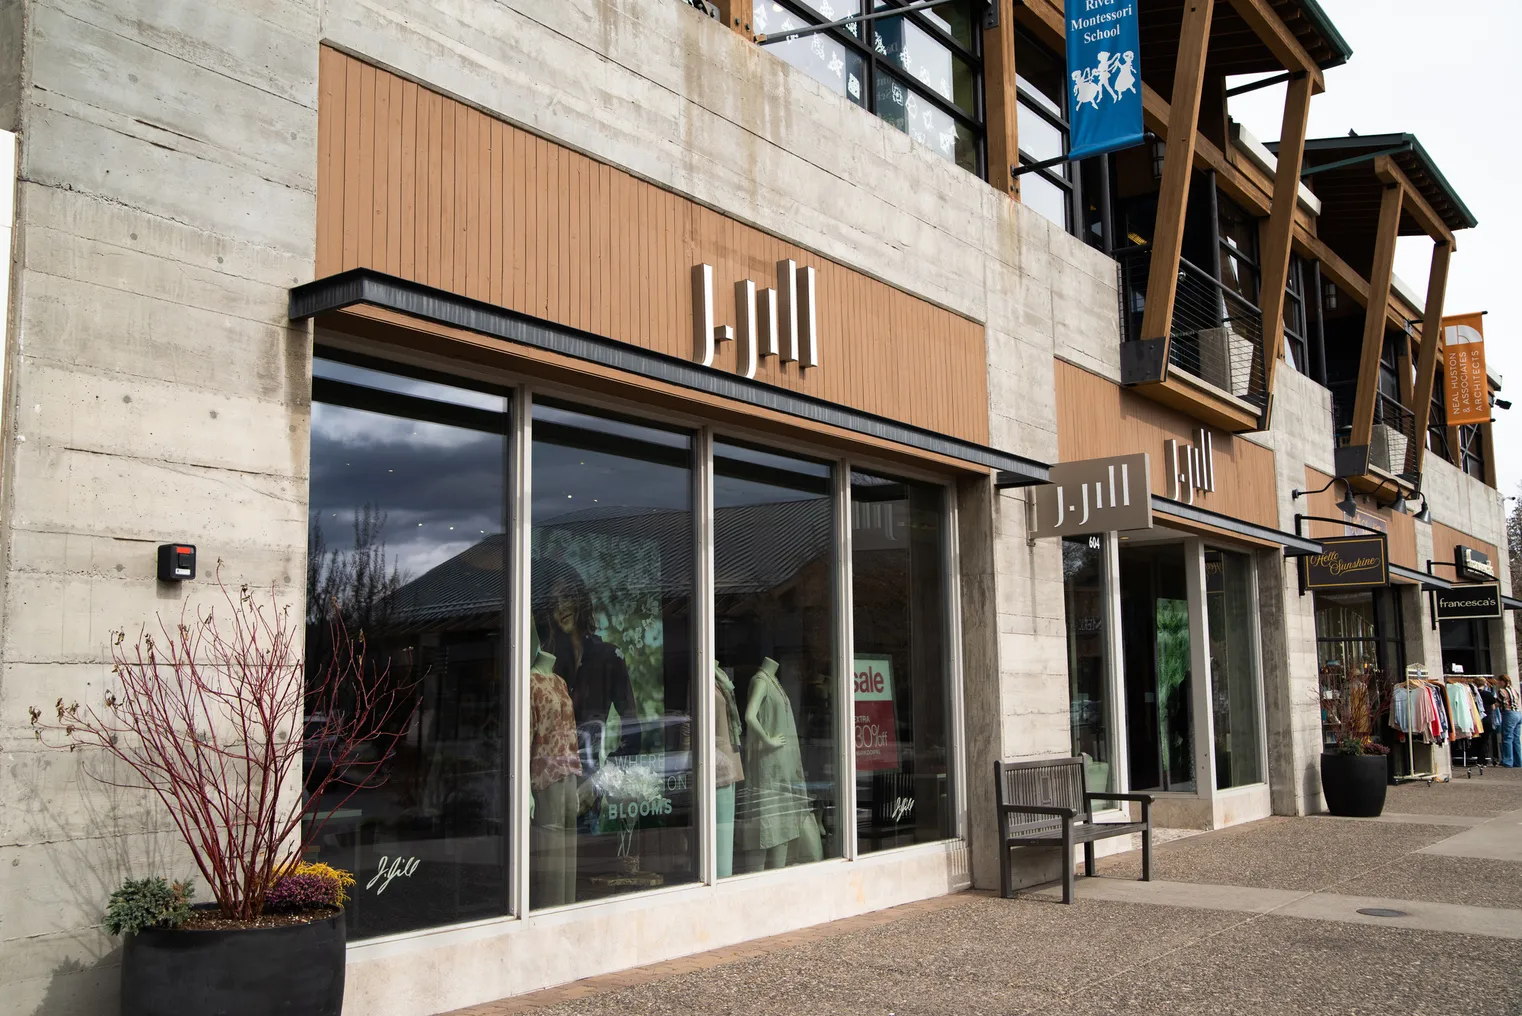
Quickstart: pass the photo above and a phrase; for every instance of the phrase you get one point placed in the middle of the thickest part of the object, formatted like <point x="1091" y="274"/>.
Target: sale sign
<point x="876" y="722"/>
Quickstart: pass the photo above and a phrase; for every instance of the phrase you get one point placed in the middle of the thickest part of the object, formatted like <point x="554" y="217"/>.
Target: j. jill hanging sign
<point x="772" y="322"/>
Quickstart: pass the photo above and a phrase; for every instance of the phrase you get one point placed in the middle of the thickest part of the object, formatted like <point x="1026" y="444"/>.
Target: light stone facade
<point x="156" y="391"/>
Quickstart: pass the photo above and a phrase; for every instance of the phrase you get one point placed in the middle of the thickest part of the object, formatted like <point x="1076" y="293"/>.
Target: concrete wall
<point x="167" y="204"/>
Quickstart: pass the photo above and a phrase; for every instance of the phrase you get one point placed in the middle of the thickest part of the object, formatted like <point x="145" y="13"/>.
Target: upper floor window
<point x="922" y="72"/>
<point x="1437" y="421"/>
<point x="1472" y="450"/>
<point x="1041" y="97"/>
<point x="1297" y="316"/>
<point x="1238" y="236"/>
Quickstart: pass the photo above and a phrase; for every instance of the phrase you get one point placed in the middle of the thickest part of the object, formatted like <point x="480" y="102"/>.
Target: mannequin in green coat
<point x="777" y="798"/>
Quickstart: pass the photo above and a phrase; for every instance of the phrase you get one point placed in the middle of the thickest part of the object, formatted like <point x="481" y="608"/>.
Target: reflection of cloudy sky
<point x="441" y="488"/>
<point x="569" y="479"/>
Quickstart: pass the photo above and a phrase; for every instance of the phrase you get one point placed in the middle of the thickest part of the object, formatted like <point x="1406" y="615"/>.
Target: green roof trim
<point x="1369" y="145"/>
<point x="1341" y="51"/>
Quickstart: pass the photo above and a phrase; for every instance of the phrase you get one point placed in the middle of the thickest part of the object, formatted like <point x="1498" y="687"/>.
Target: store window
<point x="777" y="755"/>
<point x="901" y="693"/>
<point x="406" y="543"/>
<point x="1087" y="609"/>
<point x="1155" y="630"/>
<point x="612" y="573"/>
<point x="1466" y="647"/>
<point x="1041" y="104"/>
<point x="1230" y="599"/>
<point x="1357" y="633"/>
<point x="921" y="72"/>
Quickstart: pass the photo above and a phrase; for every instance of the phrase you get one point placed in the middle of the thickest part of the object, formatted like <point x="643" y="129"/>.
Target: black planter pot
<point x="296" y="970"/>
<point x="1354" y="785"/>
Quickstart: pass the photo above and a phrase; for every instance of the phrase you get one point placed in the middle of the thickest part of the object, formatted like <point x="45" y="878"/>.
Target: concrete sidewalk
<point x="1258" y="919"/>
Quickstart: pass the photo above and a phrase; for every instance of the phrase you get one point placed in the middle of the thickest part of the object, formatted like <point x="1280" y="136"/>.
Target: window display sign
<point x="876" y="722"/>
<point x="1467" y="395"/>
<point x="1467" y="602"/>
<point x="1348" y="562"/>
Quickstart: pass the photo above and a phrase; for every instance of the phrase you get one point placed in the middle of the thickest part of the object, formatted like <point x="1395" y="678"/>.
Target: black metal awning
<point x="427" y="303"/>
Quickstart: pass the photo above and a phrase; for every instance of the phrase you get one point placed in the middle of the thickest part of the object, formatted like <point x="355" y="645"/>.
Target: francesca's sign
<point x="1468" y="602"/>
<point x="1467" y="394"/>
<point x="772" y="322"/>
<point x="876" y="722"/>
<point x="1348" y="562"/>
<point x="1095" y="496"/>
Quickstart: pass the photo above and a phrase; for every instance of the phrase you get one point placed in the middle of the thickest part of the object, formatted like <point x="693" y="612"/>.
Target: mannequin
<point x="594" y="670"/>
<point x="554" y="775"/>
<point x="728" y="770"/>
<point x="776" y="798"/>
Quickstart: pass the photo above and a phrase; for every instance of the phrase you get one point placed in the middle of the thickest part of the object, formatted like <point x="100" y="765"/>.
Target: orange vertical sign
<point x="1467" y="393"/>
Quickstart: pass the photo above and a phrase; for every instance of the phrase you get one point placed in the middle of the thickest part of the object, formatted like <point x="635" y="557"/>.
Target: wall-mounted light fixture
<point x="1329" y="294"/>
<point x="1348" y="506"/>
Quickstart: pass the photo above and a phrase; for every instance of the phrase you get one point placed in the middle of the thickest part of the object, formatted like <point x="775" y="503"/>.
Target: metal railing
<point x="1216" y="335"/>
<point x="1393" y="444"/>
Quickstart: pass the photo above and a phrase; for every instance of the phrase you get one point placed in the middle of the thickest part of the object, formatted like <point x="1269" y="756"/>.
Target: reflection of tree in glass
<point x="1172" y="673"/>
<point x="626" y="602"/>
<point x="357" y="581"/>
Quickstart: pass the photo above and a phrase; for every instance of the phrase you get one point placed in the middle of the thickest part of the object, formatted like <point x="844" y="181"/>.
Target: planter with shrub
<point x="1354" y="766"/>
<point x="213" y="718"/>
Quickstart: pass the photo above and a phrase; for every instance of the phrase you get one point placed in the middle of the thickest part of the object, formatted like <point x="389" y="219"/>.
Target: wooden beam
<point x="1426" y="364"/>
<point x="1374" y="318"/>
<point x="736" y="15"/>
<point x="1000" y="110"/>
<point x="1178" y="167"/>
<point x="1281" y="221"/>
<point x="1432" y="224"/>
<point x="1275" y="34"/>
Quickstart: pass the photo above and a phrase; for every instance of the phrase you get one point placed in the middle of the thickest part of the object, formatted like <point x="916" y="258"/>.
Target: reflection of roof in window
<point x="757" y="547"/>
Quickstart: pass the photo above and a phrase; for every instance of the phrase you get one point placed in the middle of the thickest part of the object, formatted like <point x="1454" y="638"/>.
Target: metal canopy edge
<point x="1294" y="546"/>
<point x="365" y="285"/>
<point x="1428" y="580"/>
<point x="1511" y="603"/>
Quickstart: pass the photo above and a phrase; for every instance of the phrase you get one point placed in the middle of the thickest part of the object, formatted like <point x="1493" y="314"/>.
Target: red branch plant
<point x="214" y="718"/>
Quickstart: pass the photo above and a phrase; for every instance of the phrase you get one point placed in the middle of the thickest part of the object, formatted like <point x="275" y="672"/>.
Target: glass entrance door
<point x="1154" y="613"/>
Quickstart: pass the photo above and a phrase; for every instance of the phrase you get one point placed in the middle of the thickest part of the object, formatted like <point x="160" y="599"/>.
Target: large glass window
<point x="612" y="594"/>
<point x="1232" y="617"/>
<point x="1154" y="610"/>
<point x="921" y="72"/>
<point x="1086" y="602"/>
<point x="1472" y="449"/>
<point x="1041" y="104"/>
<point x="1239" y="249"/>
<point x="902" y="697"/>
<point x="777" y="757"/>
<point x="1466" y="647"/>
<point x="407" y="516"/>
<point x="1357" y="633"/>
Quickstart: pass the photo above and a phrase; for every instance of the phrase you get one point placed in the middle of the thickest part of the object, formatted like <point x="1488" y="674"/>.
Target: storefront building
<point x="671" y="412"/>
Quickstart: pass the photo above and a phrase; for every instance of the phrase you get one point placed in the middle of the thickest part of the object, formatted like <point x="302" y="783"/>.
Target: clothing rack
<point x="1416" y="677"/>
<point x="1459" y="749"/>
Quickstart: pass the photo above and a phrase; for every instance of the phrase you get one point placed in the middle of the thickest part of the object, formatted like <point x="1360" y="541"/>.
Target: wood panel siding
<point x="1445" y="538"/>
<point x="1098" y="418"/>
<point x="426" y="188"/>
<point x="1398" y="526"/>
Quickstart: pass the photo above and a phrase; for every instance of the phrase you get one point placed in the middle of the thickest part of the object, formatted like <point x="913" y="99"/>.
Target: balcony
<point x="1394" y="451"/>
<point x="1214" y="347"/>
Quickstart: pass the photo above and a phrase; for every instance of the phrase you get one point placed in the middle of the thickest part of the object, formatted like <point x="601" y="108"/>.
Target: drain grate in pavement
<point x="1382" y="912"/>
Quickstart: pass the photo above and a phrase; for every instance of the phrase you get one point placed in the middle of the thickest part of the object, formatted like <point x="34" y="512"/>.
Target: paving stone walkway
<point x="1259" y="919"/>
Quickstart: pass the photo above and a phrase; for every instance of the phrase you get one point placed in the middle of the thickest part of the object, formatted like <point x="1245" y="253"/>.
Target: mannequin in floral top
<point x="553" y="773"/>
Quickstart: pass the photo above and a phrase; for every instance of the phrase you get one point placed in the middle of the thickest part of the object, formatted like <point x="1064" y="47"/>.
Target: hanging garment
<point x="1400" y="709"/>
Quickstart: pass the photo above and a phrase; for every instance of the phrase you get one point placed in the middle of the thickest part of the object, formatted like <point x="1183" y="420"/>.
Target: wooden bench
<point x="1047" y="804"/>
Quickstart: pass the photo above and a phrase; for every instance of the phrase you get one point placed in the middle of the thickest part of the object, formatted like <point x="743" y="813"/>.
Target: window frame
<point x="974" y="122"/>
<point x="1067" y="180"/>
<point x="522" y="394"/>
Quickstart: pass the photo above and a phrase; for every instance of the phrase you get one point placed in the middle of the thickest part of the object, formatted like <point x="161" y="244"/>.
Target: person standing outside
<point x="1511" y="726"/>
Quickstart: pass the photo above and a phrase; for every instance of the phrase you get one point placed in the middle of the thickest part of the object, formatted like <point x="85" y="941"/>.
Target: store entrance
<point x="1154" y="614"/>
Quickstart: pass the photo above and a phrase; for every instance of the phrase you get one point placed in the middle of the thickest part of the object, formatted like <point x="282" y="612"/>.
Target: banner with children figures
<point x="1104" y="75"/>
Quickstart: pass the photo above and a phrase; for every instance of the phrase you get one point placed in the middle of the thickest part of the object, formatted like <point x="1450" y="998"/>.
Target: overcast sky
<point x="1446" y="73"/>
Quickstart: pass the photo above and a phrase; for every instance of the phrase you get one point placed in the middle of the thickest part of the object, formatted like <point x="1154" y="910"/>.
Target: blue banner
<point x="1104" y="76"/>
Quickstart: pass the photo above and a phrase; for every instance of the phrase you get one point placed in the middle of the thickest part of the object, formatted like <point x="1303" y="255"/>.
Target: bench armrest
<point x="1038" y="809"/>
<point x="1104" y="796"/>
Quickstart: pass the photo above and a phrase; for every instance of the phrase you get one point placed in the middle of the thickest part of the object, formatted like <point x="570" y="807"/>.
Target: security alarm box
<point x="177" y="562"/>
